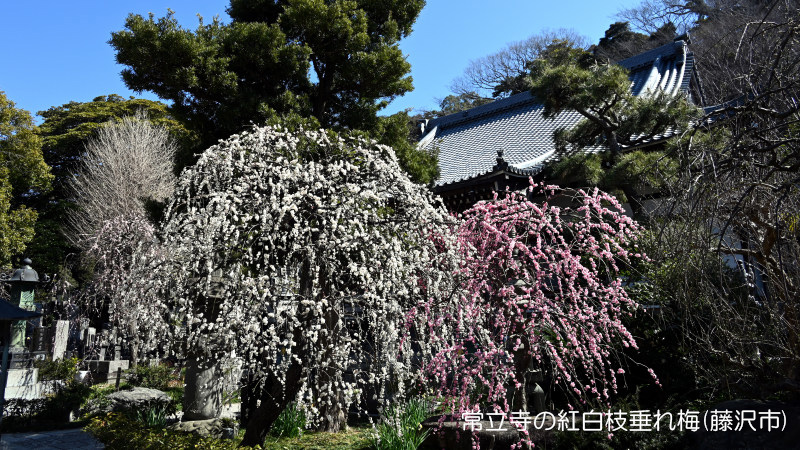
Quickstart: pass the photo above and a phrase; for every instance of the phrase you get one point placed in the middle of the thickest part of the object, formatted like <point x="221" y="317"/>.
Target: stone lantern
<point x="22" y="284"/>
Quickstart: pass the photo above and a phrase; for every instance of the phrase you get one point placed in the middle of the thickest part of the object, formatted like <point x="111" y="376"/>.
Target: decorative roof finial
<point x="501" y="162"/>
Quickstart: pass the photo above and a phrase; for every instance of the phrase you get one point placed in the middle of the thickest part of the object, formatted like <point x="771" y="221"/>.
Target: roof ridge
<point x="651" y="55"/>
<point x="480" y="111"/>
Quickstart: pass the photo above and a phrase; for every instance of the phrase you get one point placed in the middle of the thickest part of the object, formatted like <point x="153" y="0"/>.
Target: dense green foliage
<point x="153" y="377"/>
<point x="291" y="423"/>
<point x="336" y="61"/>
<point x="641" y="171"/>
<point x="570" y="78"/>
<point x="23" y="174"/>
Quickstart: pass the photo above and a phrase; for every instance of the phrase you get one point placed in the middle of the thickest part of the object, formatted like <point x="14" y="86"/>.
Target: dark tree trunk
<point x="275" y="397"/>
<point x="334" y="418"/>
<point x="522" y="363"/>
<point x="249" y="395"/>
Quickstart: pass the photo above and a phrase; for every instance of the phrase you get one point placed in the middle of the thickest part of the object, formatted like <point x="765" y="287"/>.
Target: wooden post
<point x="119" y="376"/>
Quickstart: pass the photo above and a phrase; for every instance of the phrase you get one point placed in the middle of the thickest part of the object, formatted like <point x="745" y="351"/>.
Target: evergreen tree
<point x="334" y="62"/>
<point x="23" y="173"/>
<point x="572" y="79"/>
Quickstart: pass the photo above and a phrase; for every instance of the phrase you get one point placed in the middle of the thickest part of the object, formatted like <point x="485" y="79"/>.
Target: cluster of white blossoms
<point x="301" y="249"/>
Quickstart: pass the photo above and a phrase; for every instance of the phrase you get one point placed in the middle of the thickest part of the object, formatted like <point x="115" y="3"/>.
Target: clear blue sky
<point x="55" y="51"/>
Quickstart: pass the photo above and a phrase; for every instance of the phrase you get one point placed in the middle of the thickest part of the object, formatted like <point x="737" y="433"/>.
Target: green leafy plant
<point x="154" y="415"/>
<point x="118" y="431"/>
<point x="153" y="377"/>
<point x="176" y="394"/>
<point x="290" y="423"/>
<point x="60" y="373"/>
<point x="400" y="427"/>
<point x="52" y="411"/>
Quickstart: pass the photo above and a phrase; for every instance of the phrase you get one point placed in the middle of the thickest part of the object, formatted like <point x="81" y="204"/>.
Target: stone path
<point x="50" y="440"/>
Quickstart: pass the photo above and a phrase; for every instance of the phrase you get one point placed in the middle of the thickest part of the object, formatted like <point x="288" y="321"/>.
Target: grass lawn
<point x="355" y="438"/>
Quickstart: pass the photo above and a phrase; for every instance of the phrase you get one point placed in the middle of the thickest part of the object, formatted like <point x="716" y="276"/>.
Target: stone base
<point x="216" y="428"/>
<point x="27" y="392"/>
<point x="453" y="436"/>
<point x="23" y="383"/>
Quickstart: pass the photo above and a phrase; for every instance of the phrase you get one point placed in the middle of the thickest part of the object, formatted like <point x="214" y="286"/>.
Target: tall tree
<point x="23" y="173"/>
<point x="505" y="73"/>
<point x="125" y="166"/>
<point x="542" y="288"/>
<point x="299" y="254"/>
<point x="336" y="61"/>
<point x="571" y="78"/>
<point x="64" y="133"/>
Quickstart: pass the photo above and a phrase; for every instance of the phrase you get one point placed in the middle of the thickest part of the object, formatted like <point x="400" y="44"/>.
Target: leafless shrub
<point x="128" y="163"/>
<point x="485" y="74"/>
<point x="737" y="200"/>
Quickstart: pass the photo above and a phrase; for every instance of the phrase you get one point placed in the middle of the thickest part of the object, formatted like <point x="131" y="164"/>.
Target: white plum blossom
<point x="301" y="253"/>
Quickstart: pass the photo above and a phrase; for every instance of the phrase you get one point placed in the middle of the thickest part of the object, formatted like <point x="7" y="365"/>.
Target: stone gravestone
<point x="39" y="342"/>
<point x="60" y="339"/>
<point x="89" y="335"/>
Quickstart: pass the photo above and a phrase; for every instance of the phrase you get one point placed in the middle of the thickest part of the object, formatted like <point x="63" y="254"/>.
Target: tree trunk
<point x="249" y="396"/>
<point x="522" y="362"/>
<point x="334" y="418"/>
<point x="275" y="396"/>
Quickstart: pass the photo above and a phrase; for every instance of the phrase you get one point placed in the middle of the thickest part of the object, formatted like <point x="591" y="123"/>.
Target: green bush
<point x="290" y="423"/>
<point x="153" y="377"/>
<point x="50" y="412"/>
<point x="118" y="432"/>
<point x="54" y="372"/>
<point x="400" y="427"/>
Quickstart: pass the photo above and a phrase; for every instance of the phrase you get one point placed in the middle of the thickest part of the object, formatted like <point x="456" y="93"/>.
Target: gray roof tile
<point x="469" y="141"/>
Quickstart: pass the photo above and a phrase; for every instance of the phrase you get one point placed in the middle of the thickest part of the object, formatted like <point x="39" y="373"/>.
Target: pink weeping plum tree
<point x="542" y="288"/>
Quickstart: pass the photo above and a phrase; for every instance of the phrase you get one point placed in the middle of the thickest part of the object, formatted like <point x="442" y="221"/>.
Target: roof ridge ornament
<point x="501" y="162"/>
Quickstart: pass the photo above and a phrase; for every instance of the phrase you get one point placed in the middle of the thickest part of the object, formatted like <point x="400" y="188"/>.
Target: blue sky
<point x="55" y="51"/>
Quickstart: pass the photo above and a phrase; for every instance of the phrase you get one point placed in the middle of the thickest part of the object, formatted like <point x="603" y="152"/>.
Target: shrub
<point x="58" y="373"/>
<point x="116" y="431"/>
<point x="400" y="427"/>
<point x="290" y="423"/>
<point x="52" y="411"/>
<point x="153" y="377"/>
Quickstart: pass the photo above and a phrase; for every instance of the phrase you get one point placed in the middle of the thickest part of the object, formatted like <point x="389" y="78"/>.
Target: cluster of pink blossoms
<point x="541" y="289"/>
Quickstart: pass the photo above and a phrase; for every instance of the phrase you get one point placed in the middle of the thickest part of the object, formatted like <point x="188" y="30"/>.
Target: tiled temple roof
<point x="469" y="142"/>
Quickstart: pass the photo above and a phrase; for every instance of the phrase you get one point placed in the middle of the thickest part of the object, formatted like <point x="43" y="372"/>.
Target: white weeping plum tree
<point x="300" y="253"/>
